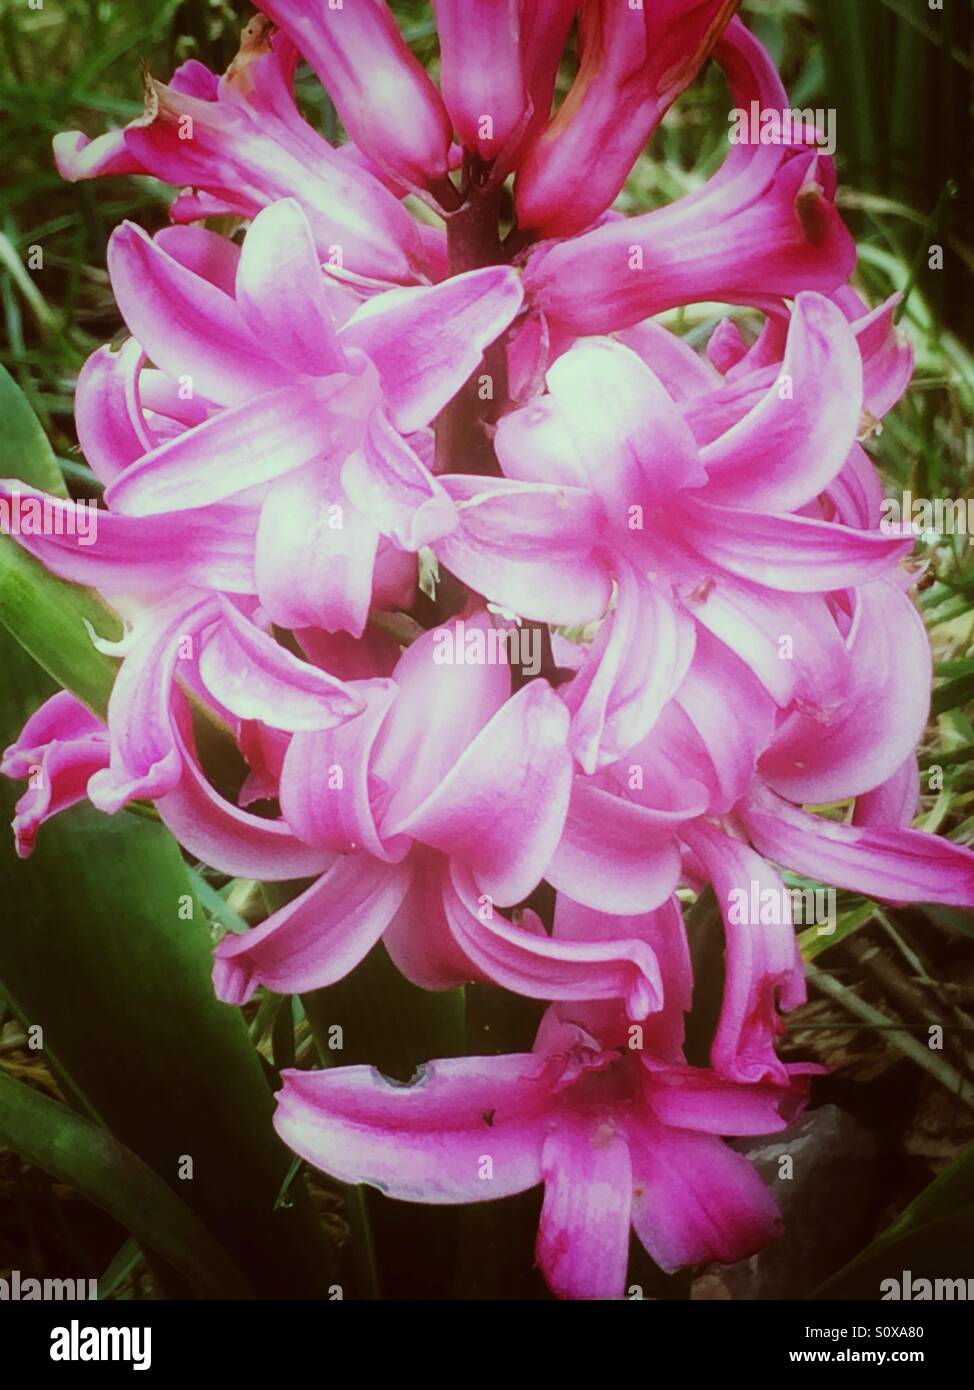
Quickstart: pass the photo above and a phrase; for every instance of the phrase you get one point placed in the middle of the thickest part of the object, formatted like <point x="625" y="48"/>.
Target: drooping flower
<point x="387" y="103"/>
<point x="619" y="1137"/>
<point x="239" y="143"/>
<point x="282" y="394"/>
<point x="59" y="748"/>
<point x="442" y="803"/>
<point x="692" y="509"/>
<point x="764" y="226"/>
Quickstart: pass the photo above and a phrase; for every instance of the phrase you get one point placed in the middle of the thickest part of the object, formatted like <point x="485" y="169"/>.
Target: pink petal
<point x="633" y="667"/>
<point x="388" y="483"/>
<point x="254" y="677"/>
<point x="441" y="707"/>
<point x="212" y="547"/>
<point x="316" y="553"/>
<point x="529" y="547"/>
<point x="583" y="1237"/>
<point x="185" y="324"/>
<point x="326" y="787"/>
<point x="887" y="357"/>
<point x="857" y="491"/>
<point x="473" y="89"/>
<point x="62" y="718"/>
<point x="146" y="760"/>
<point x="205" y="253"/>
<point x="426" y="342"/>
<point x="792" y="553"/>
<point x="884" y="862"/>
<point x="280" y="292"/>
<point x="635" y="445"/>
<point x="501" y="807"/>
<point x="59" y="748"/>
<point x="696" y="1099"/>
<point x="522" y="958"/>
<point x="247" y="151"/>
<point x="827" y="756"/>
<point x="386" y="101"/>
<point x="232" y="840"/>
<point x="256" y="442"/>
<point x="535" y="445"/>
<point x="316" y="939"/>
<point x="614" y="855"/>
<point x="731" y="714"/>
<point x="78" y="157"/>
<point x="893" y="802"/>
<point x="469" y="1129"/>
<point x="791" y="445"/>
<point x="695" y="1199"/>
<point x="682" y="372"/>
<point x="664" y="933"/>
<point x="419" y="940"/>
<point x="791" y="643"/>
<point x="632" y="61"/>
<point x="111" y="430"/>
<point x="774" y="239"/>
<point x="763" y="966"/>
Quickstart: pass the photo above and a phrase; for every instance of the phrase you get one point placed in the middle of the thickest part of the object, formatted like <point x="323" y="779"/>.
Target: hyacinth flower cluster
<point x="497" y="582"/>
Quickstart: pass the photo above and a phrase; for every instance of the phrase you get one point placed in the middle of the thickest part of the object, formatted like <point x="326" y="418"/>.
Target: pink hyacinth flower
<point x="58" y="750"/>
<point x="240" y="143"/>
<point x="764" y="225"/>
<point x="619" y="1138"/>
<point x="319" y="411"/>
<point x="444" y="802"/>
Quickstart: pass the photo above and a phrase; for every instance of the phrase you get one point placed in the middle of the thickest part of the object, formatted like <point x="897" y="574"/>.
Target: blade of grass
<point x="79" y="1153"/>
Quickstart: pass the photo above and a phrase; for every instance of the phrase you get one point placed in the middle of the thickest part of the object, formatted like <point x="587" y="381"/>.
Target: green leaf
<point x="932" y="1238"/>
<point x="123" y="1269"/>
<point x="951" y="694"/>
<point x="104" y="944"/>
<point x="813" y="942"/>
<point x="24" y="450"/>
<point x="76" y="1151"/>
<point x="48" y="615"/>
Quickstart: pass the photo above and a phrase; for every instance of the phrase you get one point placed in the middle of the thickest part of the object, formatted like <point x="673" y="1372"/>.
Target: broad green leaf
<point x="48" y="615"/>
<point x="104" y="944"/>
<point x="78" y="1152"/>
<point x="933" y="1238"/>
<point x="123" y="1268"/>
<point x="24" y="450"/>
